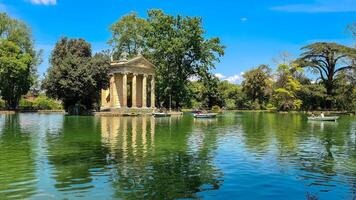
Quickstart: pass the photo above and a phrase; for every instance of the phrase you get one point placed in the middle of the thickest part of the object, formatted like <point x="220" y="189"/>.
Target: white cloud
<point x="243" y="19"/>
<point x="233" y="79"/>
<point x="44" y="2"/>
<point x="237" y="78"/>
<point x="319" y="6"/>
<point x="219" y="76"/>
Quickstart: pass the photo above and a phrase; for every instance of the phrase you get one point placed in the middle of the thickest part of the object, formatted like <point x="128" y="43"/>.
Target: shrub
<point x="230" y="104"/>
<point x="216" y="109"/>
<point x="271" y="107"/>
<point x="45" y="103"/>
<point x="196" y="104"/>
<point x="25" y="104"/>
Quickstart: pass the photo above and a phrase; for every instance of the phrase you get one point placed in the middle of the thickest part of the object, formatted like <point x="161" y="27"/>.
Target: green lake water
<point x="236" y="156"/>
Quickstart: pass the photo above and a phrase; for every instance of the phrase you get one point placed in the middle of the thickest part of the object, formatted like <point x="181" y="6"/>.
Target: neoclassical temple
<point x="132" y="85"/>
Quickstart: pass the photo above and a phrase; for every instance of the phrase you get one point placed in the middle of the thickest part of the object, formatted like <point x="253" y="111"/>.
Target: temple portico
<point x="132" y="85"/>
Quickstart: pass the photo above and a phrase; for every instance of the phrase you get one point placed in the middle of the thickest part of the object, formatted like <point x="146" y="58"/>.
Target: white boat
<point x="158" y="114"/>
<point x="327" y="118"/>
<point x="205" y="115"/>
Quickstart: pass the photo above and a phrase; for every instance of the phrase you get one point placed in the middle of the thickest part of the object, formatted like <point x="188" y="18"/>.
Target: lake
<point x="236" y="156"/>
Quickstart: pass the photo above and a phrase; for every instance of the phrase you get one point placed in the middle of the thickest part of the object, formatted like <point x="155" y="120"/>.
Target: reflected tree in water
<point x="76" y="154"/>
<point x="257" y="132"/>
<point x="17" y="163"/>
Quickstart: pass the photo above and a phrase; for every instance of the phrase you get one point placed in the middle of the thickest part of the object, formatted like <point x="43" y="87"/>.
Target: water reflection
<point x="315" y="150"/>
<point x="77" y="156"/>
<point x="17" y="164"/>
<point x="156" y="166"/>
<point x="279" y="155"/>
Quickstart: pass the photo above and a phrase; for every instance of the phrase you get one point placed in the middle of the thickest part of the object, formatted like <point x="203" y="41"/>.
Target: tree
<point x="175" y="44"/>
<point x="313" y="96"/>
<point x="328" y="59"/>
<point x="283" y="57"/>
<point x="196" y="94"/>
<point x="75" y="77"/>
<point x="344" y="92"/>
<point x="15" y="73"/>
<point x="257" y="84"/>
<point x="285" y="94"/>
<point x="211" y="95"/>
<point x="128" y="35"/>
<point x="230" y="94"/>
<point x="205" y="93"/>
<point x="18" y="60"/>
<point x="180" y="51"/>
<point x="17" y="32"/>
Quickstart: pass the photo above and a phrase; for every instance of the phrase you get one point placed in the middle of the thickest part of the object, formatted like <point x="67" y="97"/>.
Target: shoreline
<point x="11" y="112"/>
<point x="336" y="112"/>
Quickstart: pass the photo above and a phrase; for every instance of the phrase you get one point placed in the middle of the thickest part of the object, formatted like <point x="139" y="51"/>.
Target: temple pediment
<point x="138" y="64"/>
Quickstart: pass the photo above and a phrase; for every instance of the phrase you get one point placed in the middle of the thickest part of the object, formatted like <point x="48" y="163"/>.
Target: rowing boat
<point x="161" y="114"/>
<point x="205" y="115"/>
<point x="130" y="114"/>
<point x="327" y="118"/>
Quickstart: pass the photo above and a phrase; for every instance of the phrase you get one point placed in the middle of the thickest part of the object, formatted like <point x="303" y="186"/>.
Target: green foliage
<point x="230" y="104"/>
<point x="313" y="96"/>
<point x="75" y="76"/>
<point x="353" y="99"/>
<point x="289" y="89"/>
<point x="257" y="84"/>
<point x="211" y="95"/>
<point x="2" y="104"/>
<point x="15" y="73"/>
<point x="285" y="95"/>
<point x="25" y="104"/>
<point x="17" y="32"/>
<point x="344" y="92"/>
<point x="17" y="60"/>
<point x="216" y="109"/>
<point x="327" y="60"/>
<point x="175" y="44"/>
<point x="45" y="103"/>
<point x="205" y="93"/>
<point x="196" y="104"/>
<point x="39" y="103"/>
<point x="271" y="107"/>
<point x="128" y="35"/>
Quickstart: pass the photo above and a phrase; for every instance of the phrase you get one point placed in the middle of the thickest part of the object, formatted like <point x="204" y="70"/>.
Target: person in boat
<point x="322" y="115"/>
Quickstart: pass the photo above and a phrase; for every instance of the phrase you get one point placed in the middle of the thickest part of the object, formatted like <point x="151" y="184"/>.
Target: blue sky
<point x="253" y="31"/>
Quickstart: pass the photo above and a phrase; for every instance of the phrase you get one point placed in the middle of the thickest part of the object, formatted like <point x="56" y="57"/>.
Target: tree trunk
<point x="329" y="94"/>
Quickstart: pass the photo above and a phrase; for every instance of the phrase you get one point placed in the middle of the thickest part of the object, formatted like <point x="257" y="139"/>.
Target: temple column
<point x="115" y="94"/>
<point x="104" y="95"/>
<point x="134" y="101"/>
<point x="144" y="91"/>
<point x="153" y="98"/>
<point x="124" y="90"/>
<point x="111" y="90"/>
